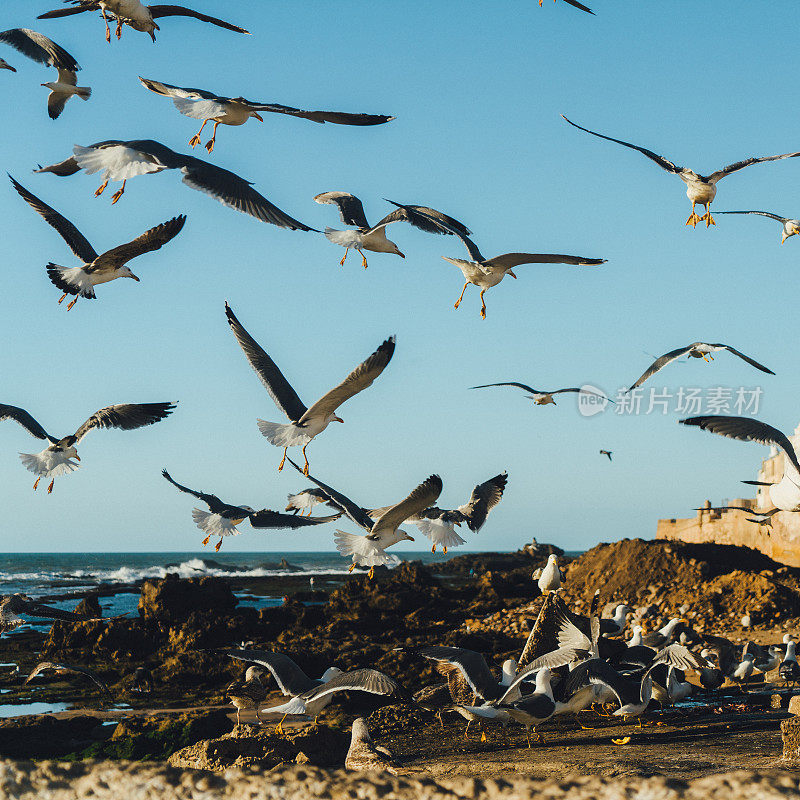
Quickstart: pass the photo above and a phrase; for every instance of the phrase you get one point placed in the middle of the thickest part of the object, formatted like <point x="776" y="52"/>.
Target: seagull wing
<point x="55" y="104"/>
<point x="598" y="671"/>
<point x="750" y="361"/>
<point x="522" y="386"/>
<point x="421" y="217"/>
<point x="126" y="416"/>
<point x="150" y="240"/>
<point x="678" y="656"/>
<point x="335" y="117"/>
<point x="485" y="496"/>
<point x="760" y="213"/>
<point x="39" y="48"/>
<point x="21" y="416"/>
<point x="571" y="636"/>
<point x="168" y="90"/>
<point x="46" y="665"/>
<point x="274" y="520"/>
<point x="746" y="429"/>
<point x="660" y="363"/>
<point x="358" y="380"/>
<point x="194" y="103"/>
<point x="68" y="12"/>
<point x="471" y="664"/>
<point x="660" y="160"/>
<point x="508" y="261"/>
<point x="290" y="678"/>
<point x="552" y="660"/>
<point x="422" y="497"/>
<point x="76" y="241"/>
<point x="279" y="389"/>
<point x="353" y="510"/>
<point x="156" y="12"/>
<point x="213" y="502"/>
<point x="358" y="680"/>
<point x="351" y="209"/>
<point x="22" y="605"/>
<point x="721" y="173"/>
<point x="582" y="7"/>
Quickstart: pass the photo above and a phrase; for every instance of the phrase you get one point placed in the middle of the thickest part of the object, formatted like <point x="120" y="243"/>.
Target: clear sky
<point x="477" y="88"/>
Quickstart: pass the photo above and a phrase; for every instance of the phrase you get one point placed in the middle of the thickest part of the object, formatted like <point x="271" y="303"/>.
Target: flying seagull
<point x="574" y="4"/>
<point x="38" y="47"/>
<point x="370" y="550"/>
<point x="785" y="495"/>
<point x="96" y="269"/>
<point x="487" y="272"/>
<point x="305" y="500"/>
<point x="699" y="188"/>
<point x="539" y="396"/>
<point x="695" y="350"/>
<point x="373" y="237"/>
<point x="221" y="518"/>
<point x="790" y="226"/>
<point x="60" y="669"/>
<point x="119" y="161"/>
<point x="14" y="607"/>
<point x="606" y="453"/>
<point x="210" y="107"/>
<point x="57" y="458"/>
<point x="759" y="517"/>
<point x="304" y="423"/>
<point x="137" y="15"/>
<point x="5" y="65"/>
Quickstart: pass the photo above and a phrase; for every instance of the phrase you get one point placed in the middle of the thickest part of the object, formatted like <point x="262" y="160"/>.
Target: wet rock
<point x="89" y="607"/>
<point x="172" y="599"/>
<point x="44" y="736"/>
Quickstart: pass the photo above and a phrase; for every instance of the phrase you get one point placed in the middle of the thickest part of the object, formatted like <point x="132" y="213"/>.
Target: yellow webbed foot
<point x="116" y="196"/>
<point x="205" y="541"/>
<point x="483" y="736"/>
<point x="709" y="219"/>
<point x="218" y="545"/>
<point x="50" y="487"/>
<point x="693" y="219"/>
<point x="433" y="549"/>
<point x="210" y="146"/>
<point x="101" y="188"/>
<point x="36" y="483"/>
<point x="195" y="140"/>
<point x="371" y="573"/>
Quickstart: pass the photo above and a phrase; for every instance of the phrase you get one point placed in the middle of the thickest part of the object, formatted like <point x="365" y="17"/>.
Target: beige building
<point x="781" y="541"/>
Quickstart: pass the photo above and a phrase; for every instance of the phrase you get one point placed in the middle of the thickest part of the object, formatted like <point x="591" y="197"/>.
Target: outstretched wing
<point x="485" y="496"/>
<point x="746" y="429"/>
<point x="279" y="389"/>
<point x="68" y="12"/>
<point x="274" y="520"/>
<point x="335" y="117"/>
<point x="422" y="497"/>
<point x="351" y="210"/>
<point x="760" y="213"/>
<point x="581" y="6"/>
<point x="358" y="680"/>
<point x="522" y="386"/>
<point x="660" y="363"/>
<point x="721" y="173"/>
<point x="150" y="240"/>
<point x="290" y="678"/>
<point x="752" y="362"/>
<point x="21" y="416"/>
<point x="471" y="665"/>
<point x="421" y="217"/>
<point x="508" y="261"/>
<point x="156" y="12"/>
<point x="660" y="160"/>
<point x="39" y="48"/>
<point x="358" y="380"/>
<point x="47" y="665"/>
<point x="213" y="502"/>
<point x="126" y="416"/>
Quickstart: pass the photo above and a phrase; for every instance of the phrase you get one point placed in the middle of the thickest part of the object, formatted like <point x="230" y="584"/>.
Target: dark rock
<point x="89" y="607"/>
<point x="172" y="599"/>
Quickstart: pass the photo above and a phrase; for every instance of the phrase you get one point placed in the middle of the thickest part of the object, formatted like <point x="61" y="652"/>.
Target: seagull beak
<point x="258" y="117"/>
<point x="400" y="254"/>
<point x="77" y="457"/>
<point x="410" y="538"/>
<point x="512" y="274"/>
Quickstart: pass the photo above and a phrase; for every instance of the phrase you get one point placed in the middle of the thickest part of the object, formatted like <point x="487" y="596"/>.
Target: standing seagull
<point x="39" y="48"/>
<point x="137" y="15"/>
<point x="304" y="423"/>
<point x="550" y="577"/>
<point x="120" y="161"/>
<point x="205" y="105"/>
<point x="96" y="269"/>
<point x="370" y="550"/>
<point x="221" y="518"/>
<point x="695" y="350"/>
<point x="56" y="459"/>
<point x="363" y="755"/>
<point x="487" y="272"/>
<point x="606" y="453"/>
<point x="373" y="237"/>
<point x="790" y="226"/>
<point x="539" y="396"/>
<point x="700" y="189"/>
<point x="785" y="495"/>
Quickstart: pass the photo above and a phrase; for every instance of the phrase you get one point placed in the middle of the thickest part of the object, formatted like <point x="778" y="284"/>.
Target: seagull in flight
<point x="606" y="453"/>
<point x="373" y="237"/>
<point x="694" y="350"/>
<point x="38" y="47"/>
<point x="700" y="189"/>
<point x="60" y="669"/>
<point x="59" y="457"/>
<point x="539" y="396"/>
<point x="136" y="14"/>
<point x="785" y="494"/>
<point x="221" y="110"/>
<point x="487" y="272"/>
<point x="119" y="161"/>
<point x="304" y="423"/>
<point x="14" y="607"/>
<point x="221" y="518"/>
<point x="791" y="227"/>
<point x="370" y="550"/>
<point x="96" y="269"/>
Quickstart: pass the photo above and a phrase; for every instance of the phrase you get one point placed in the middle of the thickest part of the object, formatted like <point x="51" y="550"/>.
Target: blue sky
<point x="477" y="89"/>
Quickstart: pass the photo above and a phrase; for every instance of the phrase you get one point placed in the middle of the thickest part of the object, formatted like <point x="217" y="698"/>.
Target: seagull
<point x="790" y="226"/>
<point x="38" y="47"/>
<point x="606" y="453"/>
<point x="699" y="188"/>
<point x="574" y="4"/>
<point x="120" y="161"/>
<point x="137" y="15"/>
<point x="744" y="670"/>
<point x="370" y="550"/>
<point x="550" y="577"/>
<point x="221" y="519"/>
<point x="487" y="272"/>
<point x="304" y="423"/>
<point x="785" y="495"/>
<point x="291" y="679"/>
<point x="363" y="755"/>
<point x="759" y="517"/>
<point x="373" y="237"/>
<point x="533" y="709"/>
<point x="14" y="607"/>
<point x="62" y="668"/>
<point x="539" y="396"/>
<point x="305" y="500"/>
<point x="439" y="524"/>
<point x="789" y="669"/>
<point x="247" y="692"/>
<point x="616" y="624"/>
<point x="663" y="635"/>
<point x="5" y="65"/>
<point x="479" y="714"/>
<point x="695" y="350"/>
<point x="210" y="107"/>
<point x="96" y="269"/>
<point x="57" y="458"/>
